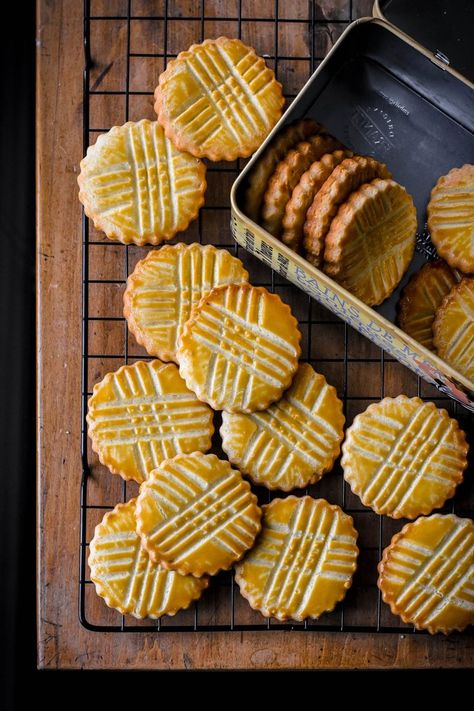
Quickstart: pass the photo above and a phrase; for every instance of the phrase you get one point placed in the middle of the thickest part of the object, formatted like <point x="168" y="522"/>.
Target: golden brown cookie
<point x="292" y="443"/>
<point x="453" y="328"/>
<point x="451" y="218"/>
<point x="197" y="515"/>
<point x="421" y="298"/>
<point x="240" y="348"/>
<point x="137" y="187"/>
<point x="302" y="196"/>
<point x="426" y="574"/>
<point x="303" y="562"/>
<point x="127" y="579"/>
<point x="287" y="175"/>
<point x="371" y="240"/>
<point x="404" y="457"/>
<point x="144" y="413"/>
<point x="218" y="100"/>
<point x="262" y="171"/>
<point x="345" y="179"/>
<point x="165" y="286"/>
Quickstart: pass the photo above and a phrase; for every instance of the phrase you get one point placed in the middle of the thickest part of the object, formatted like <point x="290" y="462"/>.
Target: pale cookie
<point x="218" y="100"/>
<point x="142" y="414"/>
<point x="197" y="515"/>
<point x="421" y="298"/>
<point x="344" y="180"/>
<point x="137" y="187"/>
<point x="292" y="443"/>
<point x="371" y="240"/>
<point x="453" y="328"/>
<point x="262" y="171"/>
<point x="165" y="286"/>
<point x="240" y="348"/>
<point x="404" y="457"/>
<point x="287" y="175"/>
<point x="426" y="574"/>
<point x="303" y="562"/>
<point x="451" y="218"/>
<point x="126" y="578"/>
<point x="303" y="194"/>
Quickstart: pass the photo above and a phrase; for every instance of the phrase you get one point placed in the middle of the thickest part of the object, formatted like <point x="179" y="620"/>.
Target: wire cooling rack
<point x="126" y="44"/>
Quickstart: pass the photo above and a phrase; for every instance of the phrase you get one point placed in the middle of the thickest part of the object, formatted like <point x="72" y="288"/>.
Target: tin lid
<point x="444" y="27"/>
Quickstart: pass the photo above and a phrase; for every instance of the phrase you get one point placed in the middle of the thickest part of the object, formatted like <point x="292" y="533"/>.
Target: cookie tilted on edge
<point x="426" y="574"/>
<point x="126" y="578"/>
<point x="453" y="328"/>
<point x="303" y="562"/>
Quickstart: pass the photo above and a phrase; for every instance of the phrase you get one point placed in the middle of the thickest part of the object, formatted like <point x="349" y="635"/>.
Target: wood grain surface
<point x="63" y="643"/>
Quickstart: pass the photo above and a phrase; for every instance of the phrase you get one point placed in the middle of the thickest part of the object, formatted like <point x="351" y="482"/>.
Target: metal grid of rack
<point x="126" y="44"/>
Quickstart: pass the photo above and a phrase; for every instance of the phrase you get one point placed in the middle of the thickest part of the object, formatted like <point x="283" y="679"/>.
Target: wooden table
<point x="62" y="642"/>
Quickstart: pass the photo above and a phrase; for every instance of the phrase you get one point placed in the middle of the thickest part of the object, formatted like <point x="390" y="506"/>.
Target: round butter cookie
<point x="453" y="328"/>
<point x="197" y="515"/>
<point x="137" y="187"/>
<point x="303" y="562"/>
<point x="240" y="348"/>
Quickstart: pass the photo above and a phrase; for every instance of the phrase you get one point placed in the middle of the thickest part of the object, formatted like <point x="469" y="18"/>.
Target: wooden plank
<point x="62" y="642"/>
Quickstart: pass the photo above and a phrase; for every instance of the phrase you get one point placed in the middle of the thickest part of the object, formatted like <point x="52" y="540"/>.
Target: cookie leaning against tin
<point x="371" y="240"/>
<point x="144" y="413"/>
<point x="240" y="348"/>
<point x="137" y="187"/>
<point x="218" y="100"/>
<point x="197" y="515"/>
<point x="453" y="328"/>
<point x="303" y="562"/>
<point x="126" y="578"/>
<point x="292" y="443"/>
<point x="165" y="286"/>
<point x="426" y="574"/>
<point x="404" y="457"/>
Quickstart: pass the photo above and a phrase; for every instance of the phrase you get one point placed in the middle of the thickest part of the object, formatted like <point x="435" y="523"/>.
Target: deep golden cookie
<point x="218" y="100"/>
<point x="421" y="298"/>
<point x="345" y="179"/>
<point x="451" y="218"/>
<point x="240" y="348"/>
<point x="261" y="173"/>
<point x="127" y="579"/>
<point x="142" y="414"/>
<point x="197" y="515"/>
<point x="303" y="561"/>
<point x="453" y="328"/>
<point x="404" y="457"/>
<point x="371" y="240"/>
<point x="137" y="187"/>
<point x="165" y="286"/>
<point x="292" y="443"/>
<point x="426" y="574"/>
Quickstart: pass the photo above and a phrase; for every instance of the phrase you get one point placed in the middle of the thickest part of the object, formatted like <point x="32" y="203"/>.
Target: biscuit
<point x="453" y="328"/>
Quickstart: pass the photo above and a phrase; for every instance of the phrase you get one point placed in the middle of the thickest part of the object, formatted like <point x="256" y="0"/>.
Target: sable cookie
<point x="404" y="457"/>
<point x="137" y="187"/>
<point x="218" y="100"/>
<point x="197" y="515"/>
<point x="287" y="175"/>
<point x="371" y="240"/>
<point x="165" y="286"/>
<point x="302" y="196"/>
<point x="142" y="414"/>
<point x="421" y="298"/>
<point x="292" y="443"/>
<point x="453" y="328"/>
<point x="303" y="561"/>
<point x="451" y="218"/>
<point x="127" y="579"/>
<point x="240" y="348"/>
<point x="426" y="574"/>
<point x="260" y="174"/>
<point x="345" y="179"/>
